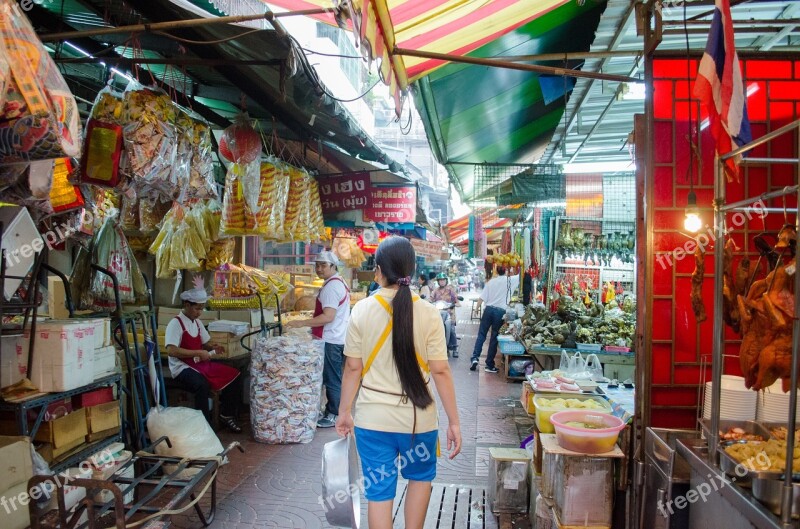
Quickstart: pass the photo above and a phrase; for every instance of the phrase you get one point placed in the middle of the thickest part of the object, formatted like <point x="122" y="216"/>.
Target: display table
<point x="615" y="365"/>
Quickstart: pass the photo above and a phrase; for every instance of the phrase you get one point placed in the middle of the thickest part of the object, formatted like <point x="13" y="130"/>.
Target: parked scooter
<point x="445" y="311"/>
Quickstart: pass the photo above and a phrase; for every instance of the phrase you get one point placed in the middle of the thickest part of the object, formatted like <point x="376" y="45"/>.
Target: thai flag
<point x="720" y="87"/>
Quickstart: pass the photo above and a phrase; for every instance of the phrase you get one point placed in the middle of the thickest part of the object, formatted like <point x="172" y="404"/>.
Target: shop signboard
<point x="393" y="204"/>
<point x="345" y="193"/>
<point x="430" y="250"/>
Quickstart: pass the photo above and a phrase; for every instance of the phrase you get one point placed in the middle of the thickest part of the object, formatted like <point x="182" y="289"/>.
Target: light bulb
<point x="692" y="223"/>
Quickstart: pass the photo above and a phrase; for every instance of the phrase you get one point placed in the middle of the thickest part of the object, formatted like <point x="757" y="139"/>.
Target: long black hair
<point x="397" y="260"/>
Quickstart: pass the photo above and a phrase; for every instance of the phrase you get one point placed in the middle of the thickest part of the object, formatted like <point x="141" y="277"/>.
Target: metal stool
<point x="477" y="311"/>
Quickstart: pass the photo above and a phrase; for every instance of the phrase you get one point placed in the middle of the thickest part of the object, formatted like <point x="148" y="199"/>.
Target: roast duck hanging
<point x="761" y="310"/>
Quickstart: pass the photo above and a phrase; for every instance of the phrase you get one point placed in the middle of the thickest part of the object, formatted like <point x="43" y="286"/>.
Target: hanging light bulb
<point x="692" y="223"/>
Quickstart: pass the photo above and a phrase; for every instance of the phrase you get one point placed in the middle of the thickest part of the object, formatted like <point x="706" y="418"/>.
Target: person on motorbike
<point x="447" y="293"/>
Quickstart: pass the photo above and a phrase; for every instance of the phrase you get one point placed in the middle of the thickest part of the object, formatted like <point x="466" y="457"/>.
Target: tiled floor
<point x="278" y="486"/>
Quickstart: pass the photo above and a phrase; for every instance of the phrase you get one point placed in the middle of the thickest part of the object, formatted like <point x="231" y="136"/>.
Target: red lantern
<point x="240" y="143"/>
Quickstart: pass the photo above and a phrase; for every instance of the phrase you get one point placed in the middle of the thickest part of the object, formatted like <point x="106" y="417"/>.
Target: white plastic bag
<point x="595" y="368"/>
<point x="188" y="431"/>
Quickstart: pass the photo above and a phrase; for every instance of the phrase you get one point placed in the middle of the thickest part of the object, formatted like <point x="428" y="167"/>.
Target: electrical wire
<point x="205" y="42"/>
<point x="312" y="52"/>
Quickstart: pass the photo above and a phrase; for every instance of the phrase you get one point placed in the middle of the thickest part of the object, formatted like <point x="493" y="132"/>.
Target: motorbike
<point x="445" y="308"/>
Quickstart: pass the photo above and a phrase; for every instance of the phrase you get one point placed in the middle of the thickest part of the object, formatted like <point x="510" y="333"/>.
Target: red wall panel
<point x="680" y="345"/>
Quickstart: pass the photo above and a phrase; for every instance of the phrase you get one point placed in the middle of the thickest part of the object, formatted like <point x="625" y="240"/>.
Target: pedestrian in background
<point x="497" y="296"/>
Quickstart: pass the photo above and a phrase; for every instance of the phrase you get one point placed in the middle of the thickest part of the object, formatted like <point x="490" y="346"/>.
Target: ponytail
<point x="396" y="258"/>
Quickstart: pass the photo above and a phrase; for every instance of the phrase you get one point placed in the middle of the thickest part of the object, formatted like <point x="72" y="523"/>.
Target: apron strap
<point x="385" y="335"/>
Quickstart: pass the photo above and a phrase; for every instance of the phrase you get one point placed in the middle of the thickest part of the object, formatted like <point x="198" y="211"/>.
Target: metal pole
<point x="183" y="61"/>
<point x="178" y="24"/>
<point x="760" y="141"/>
<point x="719" y="330"/>
<point x="766" y="161"/>
<point x="786" y="499"/>
<point x="497" y="63"/>
<point x="766" y="196"/>
<point x="578" y="55"/>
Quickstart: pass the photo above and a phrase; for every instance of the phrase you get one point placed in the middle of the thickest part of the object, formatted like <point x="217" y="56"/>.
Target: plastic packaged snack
<point x="201" y="168"/>
<point x="219" y="253"/>
<point x="152" y="209"/>
<point x="242" y="188"/>
<point x="297" y="206"/>
<point x="102" y="152"/>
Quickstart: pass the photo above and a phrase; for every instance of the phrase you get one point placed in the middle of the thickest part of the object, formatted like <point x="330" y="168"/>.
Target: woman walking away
<point x="394" y="347"/>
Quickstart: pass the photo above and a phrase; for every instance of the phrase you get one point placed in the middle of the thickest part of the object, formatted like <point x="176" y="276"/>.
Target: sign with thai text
<point x="345" y="193"/>
<point x="430" y="250"/>
<point x="393" y="204"/>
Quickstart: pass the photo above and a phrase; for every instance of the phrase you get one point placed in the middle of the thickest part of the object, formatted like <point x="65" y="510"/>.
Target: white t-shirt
<point x="173" y="336"/>
<point x="330" y="296"/>
<point x="379" y="411"/>
<point x="499" y="290"/>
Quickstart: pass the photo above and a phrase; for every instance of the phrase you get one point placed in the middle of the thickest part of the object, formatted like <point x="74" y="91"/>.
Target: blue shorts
<point x="384" y="453"/>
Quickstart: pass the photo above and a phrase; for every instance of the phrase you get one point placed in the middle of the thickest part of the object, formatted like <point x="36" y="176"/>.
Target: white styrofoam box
<point x="105" y="361"/>
<point x="13" y="359"/>
<point x="63" y="355"/>
<point x="100" y="330"/>
<point x="21" y="242"/>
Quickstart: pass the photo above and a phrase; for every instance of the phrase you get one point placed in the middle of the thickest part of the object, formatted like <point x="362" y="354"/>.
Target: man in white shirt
<point x="496" y="296"/>
<point x="329" y="328"/>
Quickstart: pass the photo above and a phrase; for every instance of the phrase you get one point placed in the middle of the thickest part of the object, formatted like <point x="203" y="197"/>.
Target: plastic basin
<point x="546" y="405"/>
<point x="587" y="440"/>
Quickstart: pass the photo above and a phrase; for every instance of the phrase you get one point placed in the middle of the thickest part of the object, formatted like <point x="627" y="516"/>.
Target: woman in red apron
<point x="190" y="361"/>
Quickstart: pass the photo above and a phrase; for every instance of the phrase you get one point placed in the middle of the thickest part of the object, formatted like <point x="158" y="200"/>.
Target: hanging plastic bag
<point x="64" y="195"/>
<point x="201" y="168"/>
<point x="102" y="152"/>
<point x="595" y="368"/>
<point x="111" y="250"/>
<point x="39" y="118"/>
<point x="81" y="279"/>
<point x="297" y="206"/>
<point x="150" y="138"/>
<point x="275" y="227"/>
<point x="219" y="253"/>
<point x="129" y="214"/>
<point x="184" y="131"/>
<point x="242" y="192"/>
<point x="152" y="210"/>
<point x="240" y="142"/>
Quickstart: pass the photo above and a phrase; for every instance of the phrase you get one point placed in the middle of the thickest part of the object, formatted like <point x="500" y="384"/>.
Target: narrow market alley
<point x="279" y="486"/>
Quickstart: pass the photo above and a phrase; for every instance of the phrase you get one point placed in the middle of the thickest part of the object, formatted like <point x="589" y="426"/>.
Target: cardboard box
<point x="93" y="398"/>
<point x="64" y="432"/>
<point x="232" y="344"/>
<point x="105" y="361"/>
<point x="57" y="299"/>
<point x="55" y="410"/>
<point x="167" y="314"/>
<point x="526" y="398"/>
<point x="250" y="316"/>
<point x="15" y="460"/>
<point x="13" y="359"/>
<point x="103" y="417"/>
<point x="63" y="357"/>
<point x="16" y="516"/>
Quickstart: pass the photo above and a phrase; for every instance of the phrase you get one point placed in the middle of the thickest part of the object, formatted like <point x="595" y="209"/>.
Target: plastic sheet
<point x="39" y="118"/>
<point x="150" y="139"/>
<point x="189" y="433"/>
<point x="285" y="386"/>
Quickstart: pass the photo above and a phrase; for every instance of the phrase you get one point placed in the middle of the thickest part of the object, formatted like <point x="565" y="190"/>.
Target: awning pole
<point x="178" y="24"/>
<point x="497" y="63"/>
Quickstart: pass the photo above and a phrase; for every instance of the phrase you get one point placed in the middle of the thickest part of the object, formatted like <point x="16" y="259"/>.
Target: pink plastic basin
<point x="587" y="440"/>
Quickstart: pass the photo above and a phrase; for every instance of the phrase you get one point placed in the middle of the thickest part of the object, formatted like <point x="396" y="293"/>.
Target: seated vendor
<point x="190" y="361"/>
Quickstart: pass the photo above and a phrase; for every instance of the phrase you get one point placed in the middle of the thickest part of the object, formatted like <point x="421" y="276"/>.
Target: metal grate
<point x="451" y="507"/>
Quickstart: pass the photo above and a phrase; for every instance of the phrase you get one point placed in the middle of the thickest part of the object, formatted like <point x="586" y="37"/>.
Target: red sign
<point x="395" y="204"/>
<point x="345" y="193"/>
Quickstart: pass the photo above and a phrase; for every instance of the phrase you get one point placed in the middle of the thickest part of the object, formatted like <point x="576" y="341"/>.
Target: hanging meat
<point x="698" y="307"/>
<point x="766" y="323"/>
<point x="730" y="310"/>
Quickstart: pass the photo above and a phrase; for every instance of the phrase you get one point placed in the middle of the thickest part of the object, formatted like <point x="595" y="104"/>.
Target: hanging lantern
<point x="240" y="143"/>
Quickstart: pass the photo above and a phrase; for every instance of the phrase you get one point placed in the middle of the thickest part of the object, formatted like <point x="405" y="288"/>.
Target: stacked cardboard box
<point x="16" y="467"/>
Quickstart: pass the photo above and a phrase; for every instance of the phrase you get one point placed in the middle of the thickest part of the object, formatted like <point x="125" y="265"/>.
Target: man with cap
<point x="190" y="361"/>
<point x="329" y="328"/>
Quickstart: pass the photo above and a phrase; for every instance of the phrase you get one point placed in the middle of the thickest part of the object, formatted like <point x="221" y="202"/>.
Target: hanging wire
<point x="692" y="134"/>
<point x="205" y="42"/>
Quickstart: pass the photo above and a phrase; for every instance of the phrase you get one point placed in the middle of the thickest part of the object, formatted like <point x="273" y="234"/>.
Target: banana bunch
<point x="509" y="260"/>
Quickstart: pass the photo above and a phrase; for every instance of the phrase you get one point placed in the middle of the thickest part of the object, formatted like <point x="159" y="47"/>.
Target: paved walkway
<point x="278" y="486"/>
